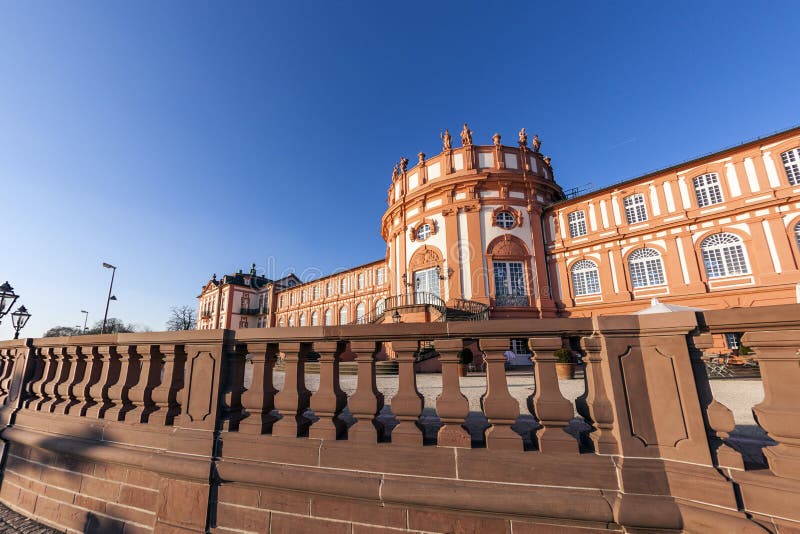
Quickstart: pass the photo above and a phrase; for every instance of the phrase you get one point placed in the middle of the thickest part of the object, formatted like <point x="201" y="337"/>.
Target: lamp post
<point x="110" y="296"/>
<point x="85" y="320"/>
<point x="7" y="299"/>
<point x="19" y="319"/>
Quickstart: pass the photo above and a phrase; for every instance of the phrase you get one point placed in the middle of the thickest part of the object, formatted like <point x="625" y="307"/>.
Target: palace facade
<point x="485" y="232"/>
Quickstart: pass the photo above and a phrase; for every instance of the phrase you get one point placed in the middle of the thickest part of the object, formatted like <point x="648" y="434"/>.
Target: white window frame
<point x="328" y="289"/>
<point x="505" y="283"/>
<point x="328" y="317"/>
<point x="797" y="234"/>
<point x="635" y="208"/>
<point x="315" y="292"/>
<point x="302" y="321"/>
<point x="361" y="312"/>
<point x="585" y="278"/>
<point x="343" y="315"/>
<point x="724" y="255"/>
<point x="361" y="280"/>
<point x="343" y="285"/>
<point x="505" y="220"/>
<point x="577" y="223"/>
<point x="791" y="165"/>
<point x="708" y="190"/>
<point x="646" y="268"/>
<point x="381" y="276"/>
<point x="315" y="318"/>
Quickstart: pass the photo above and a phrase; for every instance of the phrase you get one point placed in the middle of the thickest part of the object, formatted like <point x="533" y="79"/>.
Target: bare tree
<point x="181" y="318"/>
<point x="113" y="326"/>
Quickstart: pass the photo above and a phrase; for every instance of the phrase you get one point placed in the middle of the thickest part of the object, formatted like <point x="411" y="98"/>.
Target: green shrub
<point x="564" y="356"/>
<point x="744" y="350"/>
<point x="465" y="356"/>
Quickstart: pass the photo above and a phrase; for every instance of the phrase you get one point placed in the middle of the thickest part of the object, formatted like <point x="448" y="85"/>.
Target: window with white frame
<point x="520" y="346"/>
<point x="293" y="298"/>
<point x="381" y="276"/>
<point x="380" y="306"/>
<point x="302" y="319"/>
<point x="291" y="320"/>
<point x="797" y="234"/>
<point x="791" y="164"/>
<point x="646" y="268"/>
<point x="328" y="317"/>
<point x="577" y="223"/>
<point x="504" y="219"/>
<point x="303" y="296"/>
<point x="315" y="319"/>
<point x="328" y="289"/>
<point x="733" y="340"/>
<point x="361" y="280"/>
<point x="343" y="315"/>
<point x="281" y="323"/>
<point x="315" y="292"/>
<point x="360" y="312"/>
<point x="707" y="190"/>
<point x="585" y="278"/>
<point x="635" y="210"/>
<point x="723" y="255"/>
<point x="343" y="285"/>
<point x="509" y="278"/>
<point x="424" y="232"/>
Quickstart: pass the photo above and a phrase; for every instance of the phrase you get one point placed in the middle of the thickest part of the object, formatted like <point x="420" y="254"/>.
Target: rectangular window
<point x="509" y="283"/>
<point x="733" y="340"/>
<point x="361" y="280"/>
<point x="635" y="210"/>
<point x="316" y="292"/>
<point x="707" y="190"/>
<point x="520" y="346"/>
<point x="380" y="276"/>
<point x="577" y="224"/>
<point x="791" y="164"/>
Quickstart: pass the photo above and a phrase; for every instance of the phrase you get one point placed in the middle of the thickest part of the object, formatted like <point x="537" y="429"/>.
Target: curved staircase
<point x="456" y="310"/>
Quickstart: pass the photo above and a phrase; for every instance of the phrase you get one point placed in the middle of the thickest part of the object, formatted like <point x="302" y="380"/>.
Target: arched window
<point x="328" y="317"/>
<point x="577" y="224"/>
<point x="360" y="312"/>
<point x="302" y="319"/>
<point x="797" y="234"/>
<point x="281" y="323"/>
<point x="646" y="268"/>
<point x="723" y="255"/>
<point x="707" y="190"/>
<point x="635" y="210"/>
<point x="291" y="320"/>
<point x="343" y="315"/>
<point x="791" y="164"/>
<point x="380" y="306"/>
<point x="585" y="278"/>
<point x="315" y="319"/>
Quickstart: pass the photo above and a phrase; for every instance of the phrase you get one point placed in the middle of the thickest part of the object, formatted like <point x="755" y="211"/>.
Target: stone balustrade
<point x="193" y="431"/>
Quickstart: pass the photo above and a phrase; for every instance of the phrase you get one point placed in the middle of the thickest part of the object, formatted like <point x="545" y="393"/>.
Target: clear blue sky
<point x="179" y="139"/>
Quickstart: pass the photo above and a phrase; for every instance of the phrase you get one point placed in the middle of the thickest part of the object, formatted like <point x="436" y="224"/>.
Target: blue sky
<point x="179" y="139"/>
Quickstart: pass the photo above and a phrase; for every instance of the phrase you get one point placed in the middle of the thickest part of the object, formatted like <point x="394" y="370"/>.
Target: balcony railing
<point x="145" y="417"/>
<point x="518" y="301"/>
<point x="249" y="311"/>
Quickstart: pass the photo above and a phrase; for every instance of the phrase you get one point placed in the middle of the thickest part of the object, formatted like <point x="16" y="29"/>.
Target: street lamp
<point x="19" y="319"/>
<point x="85" y="320"/>
<point x="7" y="299"/>
<point x="110" y="296"/>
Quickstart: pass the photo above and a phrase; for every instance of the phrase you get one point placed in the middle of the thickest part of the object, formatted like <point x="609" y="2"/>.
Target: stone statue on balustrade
<point x="536" y="143"/>
<point x="445" y="140"/>
<point x="403" y="164"/>
<point x="466" y="136"/>
<point x="523" y="138"/>
<point x="395" y="171"/>
<point x="496" y="139"/>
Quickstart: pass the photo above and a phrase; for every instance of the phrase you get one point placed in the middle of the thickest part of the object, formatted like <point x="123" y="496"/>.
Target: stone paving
<point x="11" y="521"/>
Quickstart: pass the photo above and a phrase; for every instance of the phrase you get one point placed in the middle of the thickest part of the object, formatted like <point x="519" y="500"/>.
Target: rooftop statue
<point x="403" y="164"/>
<point x="445" y="140"/>
<point x="523" y="138"/>
<point x="536" y="143"/>
<point x="496" y="139"/>
<point x="466" y="136"/>
<point x="547" y="160"/>
<point x="395" y="171"/>
<point x="421" y="157"/>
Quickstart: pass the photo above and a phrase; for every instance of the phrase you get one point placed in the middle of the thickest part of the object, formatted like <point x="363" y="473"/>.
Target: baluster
<point x="329" y="400"/>
<point x="7" y="359"/>
<point x="594" y="405"/>
<point x="294" y="398"/>
<point x="367" y="401"/>
<point x="778" y="355"/>
<point x="552" y="410"/>
<point x="499" y="406"/>
<point x="128" y="362"/>
<point x="231" y="411"/>
<point x="258" y="400"/>
<point x="164" y="395"/>
<point x="452" y="406"/>
<point x="96" y="386"/>
<point x="149" y="376"/>
<point x="407" y="404"/>
<point x="77" y="372"/>
<point x="35" y="389"/>
<point x="55" y="388"/>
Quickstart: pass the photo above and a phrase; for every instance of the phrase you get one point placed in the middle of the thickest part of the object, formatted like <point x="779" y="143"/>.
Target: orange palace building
<point x="481" y="232"/>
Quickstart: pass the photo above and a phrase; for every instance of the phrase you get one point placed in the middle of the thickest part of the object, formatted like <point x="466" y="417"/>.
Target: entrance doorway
<point x="426" y="282"/>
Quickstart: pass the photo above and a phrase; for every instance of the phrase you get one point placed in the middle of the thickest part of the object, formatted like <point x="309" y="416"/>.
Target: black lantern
<point x="7" y="299"/>
<point x="396" y="316"/>
<point x="19" y="319"/>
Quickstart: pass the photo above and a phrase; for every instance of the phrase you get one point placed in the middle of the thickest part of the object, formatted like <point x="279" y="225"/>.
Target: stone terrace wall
<point x="186" y="432"/>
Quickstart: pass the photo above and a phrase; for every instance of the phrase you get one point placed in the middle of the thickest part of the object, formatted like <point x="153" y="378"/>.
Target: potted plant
<point x="565" y="364"/>
<point x="464" y="359"/>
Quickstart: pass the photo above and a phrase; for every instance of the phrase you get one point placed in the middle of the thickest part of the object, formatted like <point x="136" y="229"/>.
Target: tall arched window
<point x="343" y="315"/>
<point x="797" y="234"/>
<point x="585" y="278"/>
<point x="360" y="312"/>
<point x="328" y="317"/>
<point x="291" y="320"/>
<point x="646" y="268"/>
<point x="791" y="164"/>
<point x="281" y="323"/>
<point x="315" y="319"/>
<point x="635" y="210"/>
<point x="302" y="319"/>
<point x="380" y="306"/>
<point x="723" y="255"/>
